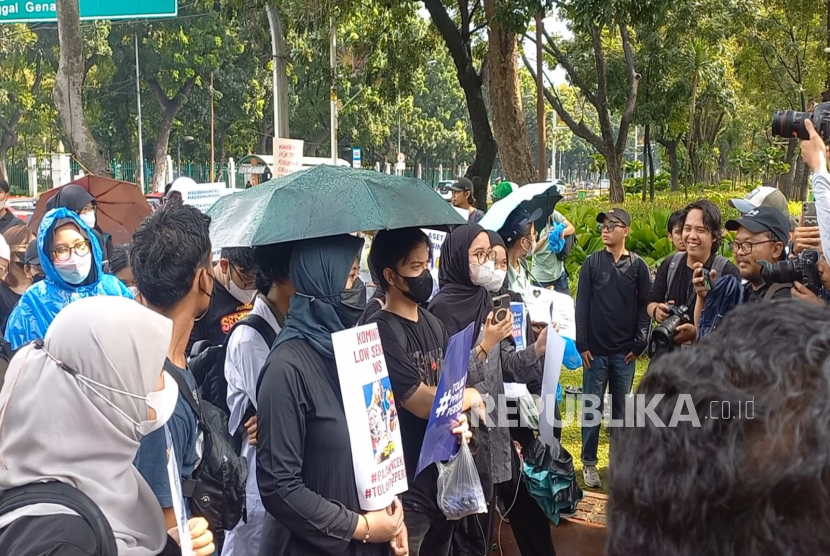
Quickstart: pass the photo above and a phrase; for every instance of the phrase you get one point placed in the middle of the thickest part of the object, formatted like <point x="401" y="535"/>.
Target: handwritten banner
<point x="436" y="241"/>
<point x="374" y="428"/>
<point x="518" y="310"/>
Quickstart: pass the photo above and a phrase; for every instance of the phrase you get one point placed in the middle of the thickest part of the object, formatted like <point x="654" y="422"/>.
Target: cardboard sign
<point x="185" y="542"/>
<point x="439" y="442"/>
<point x="554" y="354"/>
<point x="564" y="314"/>
<point x="203" y="195"/>
<point x="374" y="427"/>
<point x="436" y="241"/>
<point x="540" y="304"/>
<point x="518" y="310"/>
<point x="289" y="156"/>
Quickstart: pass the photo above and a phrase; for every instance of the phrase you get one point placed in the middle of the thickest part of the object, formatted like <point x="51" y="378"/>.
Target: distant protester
<point x="119" y="266"/>
<point x="7" y="219"/>
<point x="72" y="262"/>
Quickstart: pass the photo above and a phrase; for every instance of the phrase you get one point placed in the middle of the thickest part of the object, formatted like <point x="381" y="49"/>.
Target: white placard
<point x="203" y="195"/>
<point x="465" y="214"/>
<point x="554" y="354"/>
<point x="539" y="304"/>
<point x="185" y="542"/>
<point x="436" y="241"/>
<point x="289" y="156"/>
<point x="564" y="314"/>
<point x="374" y="428"/>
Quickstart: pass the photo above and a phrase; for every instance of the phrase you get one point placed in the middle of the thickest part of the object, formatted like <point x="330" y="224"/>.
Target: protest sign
<point x="539" y="304"/>
<point x="436" y="241"/>
<point x="564" y="314"/>
<point x="289" y="156"/>
<point x="554" y="354"/>
<point x="518" y="310"/>
<point x="174" y="478"/>
<point x="439" y="442"/>
<point x="203" y="195"/>
<point x="374" y="428"/>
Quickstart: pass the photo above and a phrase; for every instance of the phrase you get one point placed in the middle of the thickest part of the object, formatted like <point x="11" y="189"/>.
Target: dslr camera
<point x="803" y="268"/>
<point x="789" y="123"/>
<point x="663" y="335"/>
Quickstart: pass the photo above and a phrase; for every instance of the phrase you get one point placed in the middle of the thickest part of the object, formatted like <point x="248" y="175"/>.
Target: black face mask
<point x="352" y="304"/>
<point x="420" y="287"/>
<point x="37" y="278"/>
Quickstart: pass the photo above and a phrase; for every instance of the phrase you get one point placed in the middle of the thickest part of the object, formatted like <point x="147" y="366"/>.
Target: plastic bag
<point x="459" y="488"/>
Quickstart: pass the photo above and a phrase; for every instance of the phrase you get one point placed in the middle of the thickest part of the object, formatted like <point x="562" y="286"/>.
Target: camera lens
<point x="789" y="123"/>
<point x="664" y="334"/>
<point x="782" y="272"/>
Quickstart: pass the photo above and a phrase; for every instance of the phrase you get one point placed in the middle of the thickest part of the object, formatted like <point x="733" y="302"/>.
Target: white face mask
<point x="163" y="402"/>
<point x="89" y="218"/>
<point x="133" y="291"/>
<point x="75" y="270"/>
<point x="482" y="274"/>
<point x="243" y="296"/>
<point x="497" y="282"/>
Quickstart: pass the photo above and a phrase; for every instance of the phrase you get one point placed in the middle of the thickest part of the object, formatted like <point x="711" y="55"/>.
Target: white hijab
<point x="53" y="427"/>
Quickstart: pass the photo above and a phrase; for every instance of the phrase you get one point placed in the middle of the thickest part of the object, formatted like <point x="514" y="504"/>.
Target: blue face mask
<point x="76" y="270"/>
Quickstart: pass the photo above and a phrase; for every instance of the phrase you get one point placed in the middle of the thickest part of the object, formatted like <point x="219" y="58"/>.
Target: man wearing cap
<point x="519" y="235"/>
<point x="463" y="198"/>
<point x="762" y="235"/>
<point x="31" y="263"/>
<point x="611" y="329"/>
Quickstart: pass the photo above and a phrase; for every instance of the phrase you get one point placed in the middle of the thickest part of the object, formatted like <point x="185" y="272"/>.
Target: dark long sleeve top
<point x="611" y="304"/>
<point x="304" y="459"/>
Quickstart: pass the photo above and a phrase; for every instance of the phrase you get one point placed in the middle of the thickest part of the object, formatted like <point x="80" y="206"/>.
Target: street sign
<point x="357" y="157"/>
<point x="401" y="158"/>
<point x="32" y="11"/>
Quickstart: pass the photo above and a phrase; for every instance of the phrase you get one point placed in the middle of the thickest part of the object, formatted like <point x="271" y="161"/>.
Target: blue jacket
<point x="40" y="304"/>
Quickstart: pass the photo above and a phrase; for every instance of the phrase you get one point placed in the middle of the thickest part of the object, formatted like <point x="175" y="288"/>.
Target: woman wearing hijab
<point x="72" y="262"/>
<point x="467" y="270"/>
<point x="304" y="460"/>
<point x="81" y="202"/>
<point x="74" y="408"/>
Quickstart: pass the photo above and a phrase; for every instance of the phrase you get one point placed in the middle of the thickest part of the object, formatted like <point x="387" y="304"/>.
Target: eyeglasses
<point x="746" y="246"/>
<point x="248" y="278"/>
<point x="89" y="210"/>
<point x="610" y="226"/>
<point x="64" y="253"/>
<point x="483" y="256"/>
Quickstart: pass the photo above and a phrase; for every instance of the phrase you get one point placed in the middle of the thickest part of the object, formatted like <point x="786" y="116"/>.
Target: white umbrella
<point x="498" y="213"/>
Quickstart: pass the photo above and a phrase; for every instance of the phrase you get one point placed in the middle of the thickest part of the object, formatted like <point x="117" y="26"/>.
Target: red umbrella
<point x="121" y="206"/>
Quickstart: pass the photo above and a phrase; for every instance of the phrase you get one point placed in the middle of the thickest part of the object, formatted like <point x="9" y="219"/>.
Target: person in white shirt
<point x="244" y="359"/>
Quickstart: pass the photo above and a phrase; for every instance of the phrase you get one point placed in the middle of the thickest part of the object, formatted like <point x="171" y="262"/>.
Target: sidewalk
<point x="582" y="535"/>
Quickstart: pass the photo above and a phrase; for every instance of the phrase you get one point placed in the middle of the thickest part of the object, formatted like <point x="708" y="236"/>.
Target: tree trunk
<point x="279" y="51"/>
<point x="502" y="78"/>
<point x="801" y="181"/>
<point x="674" y="163"/>
<point x="614" y="167"/>
<point x="785" y="182"/>
<point x="651" y="166"/>
<point x="169" y="109"/>
<point x="68" y="91"/>
<point x="471" y="84"/>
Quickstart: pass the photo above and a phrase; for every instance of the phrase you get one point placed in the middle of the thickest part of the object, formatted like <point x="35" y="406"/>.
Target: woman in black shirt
<point x="304" y="459"/>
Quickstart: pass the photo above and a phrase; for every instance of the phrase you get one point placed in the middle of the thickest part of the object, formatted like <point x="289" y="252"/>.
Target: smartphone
<point x="501" y="308"/>
<point x="808" y="213"/>
<point x="707" y="278"/>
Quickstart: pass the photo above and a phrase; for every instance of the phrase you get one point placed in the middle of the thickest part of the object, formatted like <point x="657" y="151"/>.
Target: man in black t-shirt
<point x="7" y="219"/>
<point x="233" y="297"/>
<point x="414" y="342"/>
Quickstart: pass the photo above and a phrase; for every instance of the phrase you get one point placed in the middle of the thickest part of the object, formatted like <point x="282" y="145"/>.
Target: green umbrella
<point x="325" y="201"/>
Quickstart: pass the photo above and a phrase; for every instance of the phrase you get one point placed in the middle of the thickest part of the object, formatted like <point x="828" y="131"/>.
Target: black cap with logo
<point x="616" y="215"/>
<point x="763" y="219"/>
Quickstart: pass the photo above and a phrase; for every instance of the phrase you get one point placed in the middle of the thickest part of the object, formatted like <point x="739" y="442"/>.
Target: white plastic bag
<point x="459" y="488"/>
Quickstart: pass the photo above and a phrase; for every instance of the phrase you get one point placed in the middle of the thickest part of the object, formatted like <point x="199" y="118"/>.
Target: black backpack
<point x="217" y="487"/>
<point x="208" y="367"/>
<point x="69" y="497"/>
<point x="566" y="250"/>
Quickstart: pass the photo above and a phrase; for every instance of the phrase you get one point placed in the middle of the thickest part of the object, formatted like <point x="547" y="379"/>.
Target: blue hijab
<point x="319" y="269"/>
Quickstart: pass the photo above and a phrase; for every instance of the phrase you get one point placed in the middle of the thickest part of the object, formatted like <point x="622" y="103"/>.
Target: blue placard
<point x="439" y="442"/>
<point x="518" y="310"/>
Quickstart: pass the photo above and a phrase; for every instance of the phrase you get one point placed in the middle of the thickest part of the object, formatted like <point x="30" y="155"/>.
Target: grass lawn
<point x="571" y="432"/>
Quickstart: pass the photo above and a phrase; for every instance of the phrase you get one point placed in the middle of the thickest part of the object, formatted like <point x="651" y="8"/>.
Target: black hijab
<point x="72" y="196"/>
<point x="459" y="302"/>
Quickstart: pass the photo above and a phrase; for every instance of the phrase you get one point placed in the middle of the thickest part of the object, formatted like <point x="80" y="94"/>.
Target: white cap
<point x="5" y="251"/>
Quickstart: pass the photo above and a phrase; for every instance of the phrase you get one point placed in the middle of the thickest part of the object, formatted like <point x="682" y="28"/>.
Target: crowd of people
<point x="157" y="400"/>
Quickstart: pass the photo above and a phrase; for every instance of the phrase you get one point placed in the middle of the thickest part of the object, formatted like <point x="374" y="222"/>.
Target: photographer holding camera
<point x="673" y="289"/>
<point x="813" y="150"/>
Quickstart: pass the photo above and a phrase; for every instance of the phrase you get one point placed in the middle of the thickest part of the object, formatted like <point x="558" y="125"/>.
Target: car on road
<point x="443" y="189"/>
<point x="22" y="207"/>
